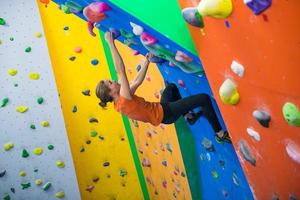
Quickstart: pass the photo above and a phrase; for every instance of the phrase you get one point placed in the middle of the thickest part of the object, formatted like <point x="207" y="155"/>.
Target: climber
<point x="167" y="111"/>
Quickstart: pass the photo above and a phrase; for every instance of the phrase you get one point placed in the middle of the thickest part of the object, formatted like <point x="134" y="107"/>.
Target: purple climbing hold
<point x="138" y="68"/>
<point x="227" y="24"/>
<point x="115" y="33"/>
<point x="164" y="163"/>
<point x="93" y="120"/>
<point x="86" y="92"/>
<point x="257" y="6"/>
<point x="246" y="152"/>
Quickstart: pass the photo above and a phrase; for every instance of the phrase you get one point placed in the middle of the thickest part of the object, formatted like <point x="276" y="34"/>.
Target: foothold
<point x="215" y="8"/>
<point x="181" y="83"/>
<point x="12" y="190"/>
<point x="72" y="58"/>
<point x="82" y="149"/>
<point x="32" y="126"/>
<point x="11" y="39"/>
<point x="77" y="49"/>
<point x="22" y="173"/>
<point x="4" y="102"/>
<point x="202" y="31"/>
<point x="16" y="84"/>
<point x="88" y="142"/>
<point x="138" y="68"/>
<point x="148" y="39"/>
<point x="21" y="109"/>
<point x="94" y="62"/>
<point x="136" y="29"/>
<point x="28" y="49"/>
<point x="25" y="153"/>
<point x="115" y="33"/>
<point x="106" y="164"/>
<point x="258" y="6"/>
<point x="46" y="186"/>
<point x="86" y="92"/>
<point x="135" y="52"/>
<point x="237" y="68"/>
<point x="227" y="24"/>
<point x="60" y="164"/>
<point x="40" y="100"/>
<point x="34" y="76"/>
<point x="122" y="172"/>
<point x="164" y="184"/>
<point x="38" y="35"/>
<point x="164" y="163"/>
<point x="262" y="117"/>
<point x="146" y="162"/>
<point x="157" y="59"/>
<point x="169" y="148"/>
<point x="74" y="109"/>
<point x="2" y="21"/>
<point x="126" y="34"/>
<point x="66" y="28"/>
<point x="73" y="6"/>
<point x="235" y="179"/>
<point x="8" y="146"/>
<point x="208" y="145"/>
<point x="93" y="133"/>
<point x="93" y="120"/>
<point x="246" y="152"/>
<point x="253" y="134"/>
<point x="293" y="150"/>
<point x="215" y="174"/>
<point x="12" y="72"/>
<point x="38" y="151"/>
<point x="96" y="179"/>
<point x="182" y="174"/>
<point x="25" y="185"/>
<point x="291" y="114"/>
<point x="193" y="17"/>
<point x="182" y="57"/>
<point x="45" y="123"/>
<point x="2" y="174"/>
<point x="36" y="170"/>
<point x="90" y="188"/>
<point x="60" y="194"/>
<point x="265" y="17"/>
<point x="229" y="93"/>
<point x="101" y="137"/>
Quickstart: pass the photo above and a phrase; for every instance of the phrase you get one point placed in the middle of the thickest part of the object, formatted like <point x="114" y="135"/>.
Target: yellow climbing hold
<point x="38" y="151"/>
<point x="21" y="109"/>
<point x="12" y="72"/>
<point x="38" y="34"/>
<point x="38" y="182"/>
<point x="22" y="173"/>
<point x="45" y="123"/>
<point x="215" y="8"/>
<point x="8" y="146"/>
<point x="60" y="194"/>
<point x="228" y="92"/>
<point x="60" y="164"/>
<point x="34" y="76"/>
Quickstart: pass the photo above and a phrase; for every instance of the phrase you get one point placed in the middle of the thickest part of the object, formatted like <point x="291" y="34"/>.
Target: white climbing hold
<point x="237" y="68"/>
<point x="136" y="29"/>
<point x="293" y="150"/>
<point x="253" y="134"/>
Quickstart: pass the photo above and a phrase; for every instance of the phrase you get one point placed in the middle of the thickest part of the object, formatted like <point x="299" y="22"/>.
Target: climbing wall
<point x="36" y="162"/>
<point x="267" y="47"/>
<point x="102" y="156"/>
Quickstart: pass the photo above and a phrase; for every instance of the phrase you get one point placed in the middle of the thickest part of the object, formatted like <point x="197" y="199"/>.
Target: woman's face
<point x="113" y="86"/>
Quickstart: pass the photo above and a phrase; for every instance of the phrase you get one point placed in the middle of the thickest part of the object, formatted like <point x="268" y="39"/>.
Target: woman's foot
<point x="223" y="136"/>
<point x="192" y="117"/>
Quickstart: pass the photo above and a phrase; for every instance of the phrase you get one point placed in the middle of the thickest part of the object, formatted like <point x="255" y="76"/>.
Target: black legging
<point x="174" y="106"/>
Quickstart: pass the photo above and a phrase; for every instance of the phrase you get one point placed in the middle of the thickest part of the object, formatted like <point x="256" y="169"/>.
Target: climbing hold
<point x="2" y="21"/>
<point x="93" y="133"/>
<point x="135" y="52"/>
<point x="77" y="49"/>
<point x="60" y="164"/>
<point x="8" y="146"/>
<point x="82" y="149"/>
<point x="88" y="141"/>
<point x="136" y="29"/>
<point x="246" y="152"/>
<point x="34" y="76"/>
<point x="262" y="117"/>
<point x="227" y="24"/>
<point x="46" y="186"/>
<point x="6" y="197"/>
<point x="258" y="6"/>
<point x="66" y="28"/>
<point x="182" y="57"/>
<point x="106" y="164"/>
<point x="40" y="100"/>
<point x="86" y="92"/>
<point x="156" y="94"/>
<point x="126" y="34"/>
<point x="101" y="137"/>
<point x="237" y="68"/>
<point x="60" y="195"/>
<point x="253" y="134"/>
<point x="38" y="35"/>
<point x="193" y="17"/>
<point x="293" y="150"/>
<point x="292" y="197"/>
<point x="146" y="162"/>
<point x="25" y="185"/>
<point x="12" y="72"/>
<point x="138" y="68"/>
<point x="93" y="120"/>
<point x="207" y="144"/>
<point x="21" y="109"/>
<point x="215" y="174"/>
<point x="25" y="153"/>
<point x="169" y="148"/>
<point x="72" y="58"/>
<point x="96" y="179"/>
<point x="148" y="78"/>
<point x="73" y="6"/>
<point x="36" y="170"/>
<point x="22" y="173"/>
<point x="3" y="102"/>
<point x="122" y="172"/>
<point x="28" y="49"/>
<point x="148" y="39"/>
<point x="129" y="42"/>
<point x="164" y="163"/>
<point x="164" y="183"/>
<point x="12" y="190"/>
<point x="94" y="62"/>
<point x="235" y="179"/>
<point x="50" y="147"/>
<point x="181" y="83"/>
<point x="32" y="126"/>
<point x="215" y="8"/>
<point x="74" y="109"/>
<point x="45" y="123"/>
<point x="182" y="174"/>
<point x="11" y="39"/>
<point x="2" y="173"/>
<point x="90" y="188"/>
<point x="16" y="84"/>
<point x="115" y="33"/>
<point x="38" y="151"/>
<point x="46" y="2"/>
<point x="65" y="9"/>
<point x="157" y="59"/>
<point x="228" y="92"/>
<point x="291" y="114"/>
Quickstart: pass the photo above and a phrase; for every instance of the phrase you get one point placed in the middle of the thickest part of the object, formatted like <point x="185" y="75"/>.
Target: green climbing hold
<point x="60" y="195"/>
<point x="60" y="164"/>
<point x="38" y="151"/>
<point x="93" y="133"/>
<point x="40" y="100"/>
<point x="38" y="182"/>
<point x="11" y="39"/>
<point x="3" y="102"/>
<point x="45" y="123"/>
<point x="126" y="34"/>
<point x="28" y="49"/>
<point x="215" y="174"/>
<point x="50" y="147"/>
<point x="2" y="21"/>
<point x="22" y="173"/>
<point x="123" y="172"/>
<point x="291" y="114"/>
<point x="8" y="146"/>
<point x="25" y="153"/>
<point x="25" y="185"/>
<point x="32" y="126"/>
<point x="21" y="109"/>
<point x="12" y="72"/>
<point x="65" y="9"/>
<point x="6" y="197"/>
<point x="46" y="186"/>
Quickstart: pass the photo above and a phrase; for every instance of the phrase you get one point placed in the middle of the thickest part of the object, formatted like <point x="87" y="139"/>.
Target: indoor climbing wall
<point x="103" y="158"/>
<point x="35" y="159"/>
<point x="250" y="53"/>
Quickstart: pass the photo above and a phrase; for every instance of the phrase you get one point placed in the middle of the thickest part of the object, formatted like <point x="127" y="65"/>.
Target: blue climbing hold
<point x="257" y="6"/>
<point x="94" y="62"/>
<point x="66" y="28"/>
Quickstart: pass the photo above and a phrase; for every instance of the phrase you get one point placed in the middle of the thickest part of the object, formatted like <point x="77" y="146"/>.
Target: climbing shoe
<point x="226" y="138"/>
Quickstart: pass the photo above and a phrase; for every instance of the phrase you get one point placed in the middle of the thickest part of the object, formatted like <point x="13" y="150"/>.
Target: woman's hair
<point x="102" y="92"/>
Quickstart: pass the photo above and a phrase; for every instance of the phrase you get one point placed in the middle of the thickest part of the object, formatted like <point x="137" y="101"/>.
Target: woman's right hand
<point x="108" y="37"/>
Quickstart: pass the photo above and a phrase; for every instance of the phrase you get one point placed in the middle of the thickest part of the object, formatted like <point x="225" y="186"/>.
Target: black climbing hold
<point x="96" y="179"/>
<point x="93" y="120"/>
<point x="262" y="117"/>
<point x="182" y="174"/>
<point x="101" y="137"/>
<point x="88" y="142"/>
<point x="86" y="92"/>
<point x="222" y="163"/>
<point x="72" y="58"/>
<point x="82" y="149"/>
<point x="106" y="164"/>
<point x="244" y="148"/>
<point x="36" y="170"/>
<point x="12" y="190"/>
<point x="74" y="109"/>
<point x="2" y="173"/>
<point x="66" y="28"/>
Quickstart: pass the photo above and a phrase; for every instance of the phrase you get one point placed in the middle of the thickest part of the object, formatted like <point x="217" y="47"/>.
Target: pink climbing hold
<point x="78" y="49"/>
<point x="162" y="127"/>
<point x="164" y="184"/>
<point x="181" y="83"/>
<point x="148" y="78"/>
<point x="182" y="57"/>
<point x="135" y="52"/>
<point x="293" y="150"/>
<point x="148" y="39"/>
<point x="146" y="162"/>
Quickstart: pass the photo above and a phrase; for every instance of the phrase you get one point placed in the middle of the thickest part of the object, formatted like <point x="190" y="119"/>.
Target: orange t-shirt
<point x="139" y="109"/>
